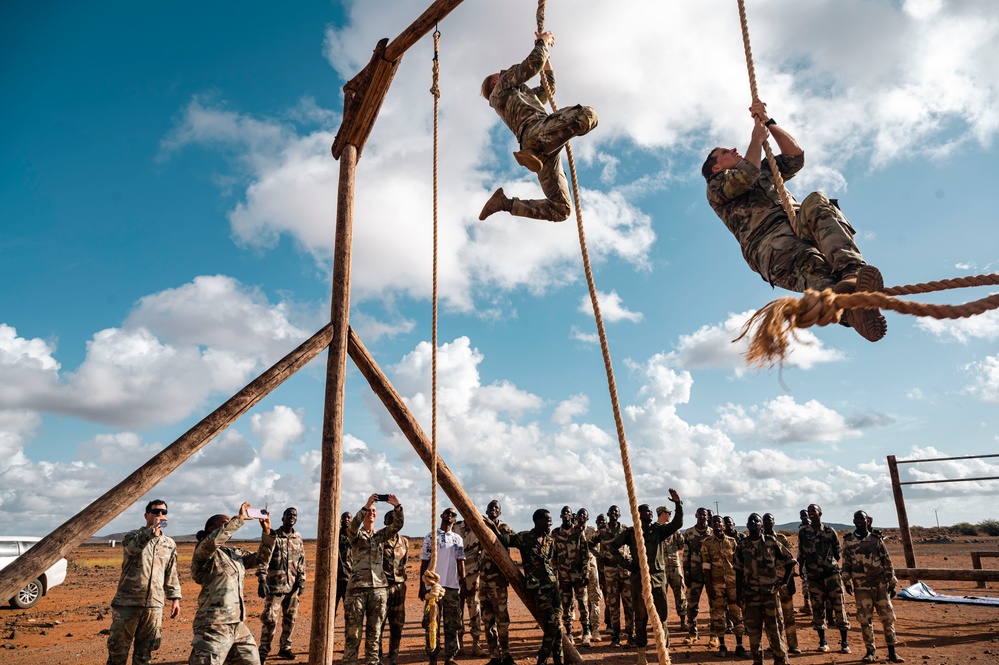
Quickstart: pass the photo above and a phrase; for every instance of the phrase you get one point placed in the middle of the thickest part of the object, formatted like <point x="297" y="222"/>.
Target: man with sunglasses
<point x="451" y="573"/>
<point x="148" y="578"/>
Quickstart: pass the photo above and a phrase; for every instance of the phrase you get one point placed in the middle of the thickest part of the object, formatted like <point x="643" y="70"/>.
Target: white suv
<point x="12" y="547"/>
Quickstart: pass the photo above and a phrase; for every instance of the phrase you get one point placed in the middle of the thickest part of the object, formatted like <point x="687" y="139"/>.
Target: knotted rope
<point x="769" y="328"/>
<point x="643" y="562"/>
<point x="785" y="198"/>
<point x="430" y="577"/>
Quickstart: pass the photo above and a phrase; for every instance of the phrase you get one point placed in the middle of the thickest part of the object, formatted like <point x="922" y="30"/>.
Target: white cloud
<point x="577" y="405"/>
<point x="986" y="380"/>
<point x="783" y="420"/>
<point x="122" y="449"/>
<point x="612" y="308"/>
<point x="984" y="326"/>
<point x="277" y="430"/>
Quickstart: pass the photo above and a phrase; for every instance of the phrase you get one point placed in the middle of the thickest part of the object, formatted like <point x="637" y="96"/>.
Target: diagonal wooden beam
<point x="383" y="388"/>
<point x="119" y="498"/>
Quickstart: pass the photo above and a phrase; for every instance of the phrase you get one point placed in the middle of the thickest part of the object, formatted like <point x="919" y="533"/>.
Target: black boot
<point x="739" y="649"/>
<point x="844" y="645"/>
<point x="892" y="656"/>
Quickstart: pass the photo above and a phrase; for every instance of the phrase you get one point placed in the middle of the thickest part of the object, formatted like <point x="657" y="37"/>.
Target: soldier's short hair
<point x="487" y="85"/>
<point x="156" y="502"/>
<point x="709" y="164"/>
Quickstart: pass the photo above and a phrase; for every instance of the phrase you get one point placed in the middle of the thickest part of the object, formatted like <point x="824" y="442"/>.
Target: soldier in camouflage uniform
<point x="693" y="573"/>
<point x="674" y="567"/>
<point x="396" y="552"/>
<point x="655" y="536"/>
<point x="786" y="592"/>
<point x="367" y="593"/>
<point x="541" y="135"/>
<point x="598" y="549"/>
<point x="762" y="567"/>
<point x="818" y="555"/>
<point x="148" y="577"/>
<point x="493" y="589"/>
<point x="451" y="571"/>
<point x="220" y="634"/>
<point x="342" y="560"/>
<point x="816" y="252"/>
<point x="572" y="557"/>
<point x="717" y="560"/>
<point x="280" y="582"/>
<point x="868" y="568"/>
<point x="806" y="606"/>
<point x="594" y="597"/>
<point x="537" y="555"/>
<point x="617" y="580"/>
<point x="730" y="529"/>
<point x="470" y="591"/>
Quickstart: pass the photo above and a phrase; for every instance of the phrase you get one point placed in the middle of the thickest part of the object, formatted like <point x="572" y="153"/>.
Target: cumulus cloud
<point x="611" y="308"/>
<point x="984" y="326"/>
<point x="278" y="430"/>
<point x="985" y="384"/>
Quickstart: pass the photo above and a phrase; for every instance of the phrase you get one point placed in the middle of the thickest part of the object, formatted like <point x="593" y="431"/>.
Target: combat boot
<point x="641" y="656"/>
<point x="722" y="648"/>
<point x="595" y="634"/>
<point x="286" y="654"/>
<point x="476" y="649"/>
<point x="871" y="656"/>
<point x="713" y="642"/>
<point x="739" y="649"/>
<point x="892" y="656"/>
<point x="869" y="323"/>
<point x="529" y="160"/>
<point x="587" y="639"/>
<point x="844" y="645"/>
<point x="496" y="203"/>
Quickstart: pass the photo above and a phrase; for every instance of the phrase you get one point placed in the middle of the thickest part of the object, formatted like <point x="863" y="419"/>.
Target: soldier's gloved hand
<point x="262" y="588"/>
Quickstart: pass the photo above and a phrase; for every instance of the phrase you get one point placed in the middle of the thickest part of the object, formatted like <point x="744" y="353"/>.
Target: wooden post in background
<point x="903" y="518"/>
<point x="327" y="537"/>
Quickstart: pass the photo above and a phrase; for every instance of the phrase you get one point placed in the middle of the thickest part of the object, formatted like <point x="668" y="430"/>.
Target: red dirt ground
<point x="66" y="625"/>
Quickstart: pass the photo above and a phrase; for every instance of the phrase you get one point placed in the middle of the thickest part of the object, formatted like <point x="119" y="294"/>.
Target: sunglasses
<point x="450" y="514"/>
<point x="158" y="511"/>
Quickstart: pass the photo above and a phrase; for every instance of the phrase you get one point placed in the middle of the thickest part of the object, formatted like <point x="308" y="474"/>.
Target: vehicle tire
<point x="27" y="596"/>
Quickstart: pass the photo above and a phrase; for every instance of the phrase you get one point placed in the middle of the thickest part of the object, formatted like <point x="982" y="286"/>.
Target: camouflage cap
<point x="663" y="509"/>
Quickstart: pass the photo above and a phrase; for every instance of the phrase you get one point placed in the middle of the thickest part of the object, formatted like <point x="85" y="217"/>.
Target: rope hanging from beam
<point x="430" y="577"/>
<point x="769" y="328"/>
<point x="643" y="562"/>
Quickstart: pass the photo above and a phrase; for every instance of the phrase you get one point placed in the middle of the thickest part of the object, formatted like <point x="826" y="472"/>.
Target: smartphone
<point x="382" y="497"/>
<point x="256" y="514"/>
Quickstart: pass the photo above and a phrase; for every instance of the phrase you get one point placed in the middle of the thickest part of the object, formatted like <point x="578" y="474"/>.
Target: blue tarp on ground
<point x="920" y="591"/>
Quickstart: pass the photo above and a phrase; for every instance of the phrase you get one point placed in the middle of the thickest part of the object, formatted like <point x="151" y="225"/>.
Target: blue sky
<point x="168" y="203"/>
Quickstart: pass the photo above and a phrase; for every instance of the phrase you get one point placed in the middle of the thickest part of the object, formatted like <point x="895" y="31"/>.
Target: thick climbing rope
<point x="643" y="561"/>
<point x="430" y="577"/>
<point x="770" y="328"/>
<point x="785" y="198"/>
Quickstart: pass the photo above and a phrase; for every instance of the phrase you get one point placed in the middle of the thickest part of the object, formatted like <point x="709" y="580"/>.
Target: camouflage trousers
<point x="495" y="618"/>
<point x="133" y="626"/>
<point x="285" y="604"/>
<point x="693" y="604"/>
<point x="811" y="254"/>
<point x="549" y="605"/>
<point x="471" y="604"/>
<point x="787" y="617"/>
<point x="546" y="138"/>
<point x="659" y="600"/>
<point x="674" y="581"/>
<point x="827" y="591"/>
<point x="218" y="643"/>
<point x="762" y="612"/>
<point x="364" y="610"/>
<point x="618" y="594"/>
<point x="448" y="622"/>
<point x="578" y="588"/>
<point x="868" y="601"/>
<point x="395" y="619"/>
<point x="594" y="596"/>
<point x="725" y="608"/>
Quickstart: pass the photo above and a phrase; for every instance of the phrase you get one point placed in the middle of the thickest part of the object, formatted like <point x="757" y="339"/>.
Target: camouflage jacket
<point x="746" y="199"/>
<point x="367" y="551"/>
<point x="614" y="557"/>
<point x="655" y="536"/>
<point x="692" y="539"/>
<point x="220" y="571"/>
<point x="518" y="105"/>
<point x="672" y="546"/>
<point x="148" y="570"/>
<point x="396" y="557"/>
<point x="782" y="539"/>
<point x="718" y="556"/>
<point x="818" y="551"/>
<point x="760" y="563"/>
<point x="866" y="562"/>
<point x="574" y="553"/>
<point x="490" y="574"/>
<point x="537" y="554"/>
<point x="286" y="569"/>
<point x="563" y="567"/>
<point x="343" y="558"/>
<point x="473" y="548"/>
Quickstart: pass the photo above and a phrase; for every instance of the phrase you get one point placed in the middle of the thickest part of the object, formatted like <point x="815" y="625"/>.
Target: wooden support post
<point x="903" y="518"/>
<point x="448" y="482"/>
<point x="324" y="594"/>
<point x="976" y="563"/>
<point x="949" y="574"/>
<point x="119" y="498"/>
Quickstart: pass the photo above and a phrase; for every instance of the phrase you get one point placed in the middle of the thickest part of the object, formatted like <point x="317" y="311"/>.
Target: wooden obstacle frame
<point x="911" y="572"/>
<point x="363" y="98"/>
